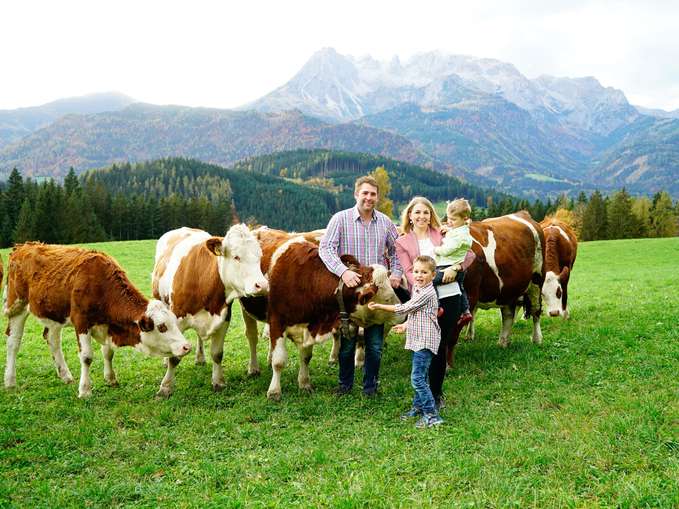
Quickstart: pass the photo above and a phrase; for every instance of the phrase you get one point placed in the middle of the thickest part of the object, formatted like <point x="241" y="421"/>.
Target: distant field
<point x="588" y="419"/>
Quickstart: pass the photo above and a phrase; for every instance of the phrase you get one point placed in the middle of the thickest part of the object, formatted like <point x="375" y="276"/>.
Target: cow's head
<point x="159" y="334"/>
<point x="375" y="287"/>
<point x="239" y="256"/>
<point x="552" y="292"/>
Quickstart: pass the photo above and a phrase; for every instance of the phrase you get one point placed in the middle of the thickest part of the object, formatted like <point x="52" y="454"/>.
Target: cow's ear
<point x="565" y="275"/>
<point x="146" y="323"/>
<point x="214" y="245"/>
<point x="365" y="295"/>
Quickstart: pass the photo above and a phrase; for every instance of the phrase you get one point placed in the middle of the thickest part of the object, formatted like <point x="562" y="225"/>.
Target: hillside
<point x="142" y="132"/>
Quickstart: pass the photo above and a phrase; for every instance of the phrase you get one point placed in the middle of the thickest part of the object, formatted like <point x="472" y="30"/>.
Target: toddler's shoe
<point x="413" y="412"/>
<point x="464" y="319"/>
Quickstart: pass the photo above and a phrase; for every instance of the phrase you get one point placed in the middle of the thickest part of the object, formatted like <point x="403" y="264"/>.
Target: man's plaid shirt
<point x="347" y="234"/>
<point x="423" y="329"/>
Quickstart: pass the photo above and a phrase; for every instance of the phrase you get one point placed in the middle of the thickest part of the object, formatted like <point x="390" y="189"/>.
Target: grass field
<point x="588" y="419"/>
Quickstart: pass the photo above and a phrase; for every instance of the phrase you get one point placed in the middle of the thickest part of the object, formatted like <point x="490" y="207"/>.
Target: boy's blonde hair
<point x="426" y="260"/>
<point x="434" y="220"/>
<point x="459" y="207"/>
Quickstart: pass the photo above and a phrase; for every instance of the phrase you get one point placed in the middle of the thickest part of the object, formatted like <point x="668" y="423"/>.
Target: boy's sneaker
<point x="464" y="319"/>
<point x="413" y="412"/>
<point x="429" y="421"/>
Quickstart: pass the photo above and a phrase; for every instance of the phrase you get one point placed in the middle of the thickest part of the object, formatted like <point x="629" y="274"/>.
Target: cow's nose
<point x="186" y="348"/>
<point x="260" y="287"/>
<point x="554" y="313"/>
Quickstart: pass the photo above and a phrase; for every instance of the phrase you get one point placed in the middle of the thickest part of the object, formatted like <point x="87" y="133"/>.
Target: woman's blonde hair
<point x="406" y="226"/>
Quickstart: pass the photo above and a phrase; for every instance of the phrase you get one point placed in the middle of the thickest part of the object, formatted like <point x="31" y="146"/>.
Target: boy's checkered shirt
<point x="423" y="329"/>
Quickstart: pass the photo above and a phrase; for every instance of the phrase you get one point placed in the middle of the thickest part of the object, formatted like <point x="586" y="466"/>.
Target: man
<point x="367" y="234"/>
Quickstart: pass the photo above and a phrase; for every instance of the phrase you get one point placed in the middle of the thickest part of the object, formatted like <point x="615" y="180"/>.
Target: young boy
<point x="454" y="247"/>
<point x="423" y="336"/>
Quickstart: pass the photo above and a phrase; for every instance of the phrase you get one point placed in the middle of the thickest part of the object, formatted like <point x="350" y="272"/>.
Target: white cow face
<point x="239" y="263"/>
<point x="159" y="334"/>
<point x="364" y="316"/>
<point x="552" y="292"/>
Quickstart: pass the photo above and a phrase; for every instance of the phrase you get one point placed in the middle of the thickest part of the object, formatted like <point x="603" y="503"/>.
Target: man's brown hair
<point x="366" y="179"/>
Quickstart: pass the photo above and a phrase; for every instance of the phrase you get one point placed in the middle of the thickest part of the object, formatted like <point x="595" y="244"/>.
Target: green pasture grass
<point x="588" y="419"/>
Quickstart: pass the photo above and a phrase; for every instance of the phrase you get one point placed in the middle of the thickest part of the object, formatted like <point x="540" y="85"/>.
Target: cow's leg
<point x="167" y="384"/>
<point x="109" y="375"/>
<point x="334" y="351"/>
<point x="507" y="313"/>
<point x="200" y="352"/>
<point x="359" y="356"/>
<point x="54" y="342"/>
<point x="85" y="347"/>
<point x="252" y="335"/>
<point x="564" y="302"/>
<point x="303" y="380"/>
<point x="471" y="328"/>
<point x="279" y="360"/>
<point x="537" y="331"/>
<point x="15" y="331"/>
<point x="217" y="354"/>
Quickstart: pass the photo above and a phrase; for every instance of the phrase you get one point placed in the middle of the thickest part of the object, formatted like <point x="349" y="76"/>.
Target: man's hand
<point x="373" y="305"/>
<point x="351" y="278"/>
<point x="395" y="281"/>
<point x="399" y="329"/>
<point x="449" y="274"/>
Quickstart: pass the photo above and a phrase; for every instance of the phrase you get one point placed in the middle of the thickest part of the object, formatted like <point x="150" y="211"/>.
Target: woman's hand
<point x="373" y="305"/>
<point x="449" y="274"/>
<point x="400" y="328"/>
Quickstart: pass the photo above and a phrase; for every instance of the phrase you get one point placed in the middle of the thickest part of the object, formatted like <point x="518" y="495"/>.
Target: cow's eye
<point x="162" y="328"/>
<point x="237" y="258"/>
<point x="558" y="293"/>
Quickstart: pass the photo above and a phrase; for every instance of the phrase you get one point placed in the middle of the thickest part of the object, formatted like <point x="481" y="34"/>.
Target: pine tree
<point x="594" y="223"/>
<point x="663" y="217"/>
<point x="641" y="209"/>
<point x="71" y="184"/>
<point x="621" y="222"/>
<point x="25" y="227"/>
<point x="14" y="196"/>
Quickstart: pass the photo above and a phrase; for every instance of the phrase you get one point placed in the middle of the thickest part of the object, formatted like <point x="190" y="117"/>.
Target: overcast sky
<point x="224" y="54"/>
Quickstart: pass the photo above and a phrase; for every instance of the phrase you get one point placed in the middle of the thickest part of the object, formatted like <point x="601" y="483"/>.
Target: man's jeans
<point x="423" y="399"/>
<point x="374" y="337"/>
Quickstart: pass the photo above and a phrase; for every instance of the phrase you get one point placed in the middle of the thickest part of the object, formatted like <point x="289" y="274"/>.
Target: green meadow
<point x="588" y="419"/>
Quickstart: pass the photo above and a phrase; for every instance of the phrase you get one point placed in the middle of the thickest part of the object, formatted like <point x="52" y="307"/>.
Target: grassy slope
<point x="588" y="419"/>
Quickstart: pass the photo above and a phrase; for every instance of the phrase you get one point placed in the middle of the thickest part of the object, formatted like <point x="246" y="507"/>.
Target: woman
<point x="422" y="232"/>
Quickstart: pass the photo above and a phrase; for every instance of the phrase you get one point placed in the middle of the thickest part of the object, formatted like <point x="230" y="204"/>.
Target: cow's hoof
<point x="85" y="394"/>
<point x="306" y="389"/>
<point x="253" y="373"/>
<point x="274" y="395"/>
<point x="67" y="379"/>
<point x="503" y="343"/>
<point x="10" y="386"/>
<point x="200" y="362"/>
<point x="112" y="383"/>
<point x="332" y="362"/>
<point x="218" y="387"/>
<point x="163" y="394"/>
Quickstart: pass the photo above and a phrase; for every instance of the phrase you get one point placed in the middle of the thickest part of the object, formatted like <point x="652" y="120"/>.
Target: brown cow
<point x="509" y="269"/>
<point x="68" y="286"/>
<point x="561" y="248"/>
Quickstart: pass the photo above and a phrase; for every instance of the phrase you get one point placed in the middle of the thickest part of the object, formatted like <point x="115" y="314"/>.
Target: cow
<point x="199" y="276"/>
<point x="561" y="248"/>
<point x="274" y="243"/>
<point x="508" y="271"/>
<point x="302" y="304"/>
<point x="69" y="286"/>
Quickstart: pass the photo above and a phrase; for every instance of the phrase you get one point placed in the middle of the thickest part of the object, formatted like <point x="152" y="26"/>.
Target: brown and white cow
<point x="274" y="243"/>
<point x="561" y="248"/>
<point x="199" y="276"/>
<point x="508" y="270"/>
<point x="302" y="304"/>
<point x="68" y="286"/>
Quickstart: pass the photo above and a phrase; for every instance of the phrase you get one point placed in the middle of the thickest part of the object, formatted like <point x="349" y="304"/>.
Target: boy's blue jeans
<point x="423" y="400"/>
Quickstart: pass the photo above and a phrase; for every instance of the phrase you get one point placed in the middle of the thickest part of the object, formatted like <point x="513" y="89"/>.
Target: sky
<point x="225" y="54"/>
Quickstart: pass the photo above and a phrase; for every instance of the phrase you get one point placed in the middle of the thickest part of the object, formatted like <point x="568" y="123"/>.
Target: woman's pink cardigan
<point x="407" y="249"/>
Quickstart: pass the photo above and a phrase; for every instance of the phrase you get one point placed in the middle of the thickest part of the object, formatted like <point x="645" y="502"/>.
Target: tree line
<point x="142" y="201"/>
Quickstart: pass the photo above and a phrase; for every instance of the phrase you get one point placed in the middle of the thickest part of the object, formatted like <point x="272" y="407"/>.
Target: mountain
<point x="654" y="112"/>
<point x="18" y="123"/>
<point x="142" y="132"/>
<point x="491" y="123"/>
